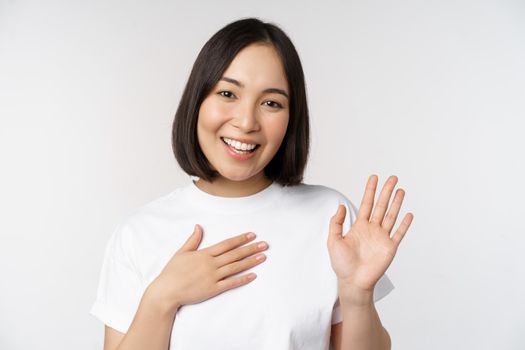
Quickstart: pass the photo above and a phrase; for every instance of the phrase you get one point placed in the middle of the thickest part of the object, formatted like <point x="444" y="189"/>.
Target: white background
<point x="433" y="92"/>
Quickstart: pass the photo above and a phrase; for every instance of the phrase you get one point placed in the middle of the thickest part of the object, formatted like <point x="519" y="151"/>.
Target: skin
<point x="229" y="110"/>
<point x="359" y="259"/>
<point x="363" y="255"/>
<point x="246" y="113"/>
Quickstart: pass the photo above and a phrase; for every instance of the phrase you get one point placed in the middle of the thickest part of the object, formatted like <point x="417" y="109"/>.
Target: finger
<point x="193" y="241"/>
<point x="239" y="266"/>
<point x="230" y="243"/>
<point x="383" y="200"/>
<point x="402" y="229"/>
<point x="234" y="282"/>
<point x="240" y="253"/>
<point x="393" y="212"/>
<point x="335" y="229"/>
<point x="368" y="198"/>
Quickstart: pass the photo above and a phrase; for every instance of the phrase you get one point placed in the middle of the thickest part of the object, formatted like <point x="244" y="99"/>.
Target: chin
<point x="237" y="177"/>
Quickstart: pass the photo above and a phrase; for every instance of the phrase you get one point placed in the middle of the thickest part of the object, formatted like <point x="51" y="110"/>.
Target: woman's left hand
<point x="362" y="256"/>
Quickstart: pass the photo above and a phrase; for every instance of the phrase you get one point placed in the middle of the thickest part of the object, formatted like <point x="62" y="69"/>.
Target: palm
<point x="362" y="256"/>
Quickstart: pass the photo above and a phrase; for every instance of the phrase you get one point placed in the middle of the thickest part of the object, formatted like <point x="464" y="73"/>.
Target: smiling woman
<point x="247" y="84"/>
<point x="249" y="111"/>
<point x="242" y="128"/>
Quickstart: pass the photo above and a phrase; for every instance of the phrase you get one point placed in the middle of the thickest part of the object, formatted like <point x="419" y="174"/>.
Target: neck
<point x="224" y="187"/>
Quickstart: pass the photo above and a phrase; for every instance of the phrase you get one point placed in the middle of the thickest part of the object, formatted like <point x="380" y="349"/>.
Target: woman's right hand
<point x="192" y="276"/>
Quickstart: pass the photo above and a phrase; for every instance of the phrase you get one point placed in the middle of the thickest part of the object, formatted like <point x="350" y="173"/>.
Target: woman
<point x="242" y="128"/>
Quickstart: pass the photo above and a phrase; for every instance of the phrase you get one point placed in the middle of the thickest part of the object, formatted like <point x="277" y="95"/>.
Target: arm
<point x="360" y="258"/>
<point x="200" y="275"/>
<point x="361" y="327"/>
<point x="151" y="327"/>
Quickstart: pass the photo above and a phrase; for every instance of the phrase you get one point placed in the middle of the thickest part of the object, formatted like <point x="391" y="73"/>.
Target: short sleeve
<point x="120" y="288"/>
<point x="383" y="286"/>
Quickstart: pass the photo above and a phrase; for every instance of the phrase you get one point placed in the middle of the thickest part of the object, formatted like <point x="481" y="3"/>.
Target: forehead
<point x="258" y="65"/>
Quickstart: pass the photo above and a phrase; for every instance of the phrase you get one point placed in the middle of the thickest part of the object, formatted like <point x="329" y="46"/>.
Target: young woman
<point x="242" y="128"/>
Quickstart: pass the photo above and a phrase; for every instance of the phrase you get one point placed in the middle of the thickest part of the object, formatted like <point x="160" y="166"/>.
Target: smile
<point x="240" y="154"/>
<point x="238" y="147"/>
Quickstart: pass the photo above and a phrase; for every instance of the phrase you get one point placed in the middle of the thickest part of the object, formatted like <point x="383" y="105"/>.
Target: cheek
<point x="278" y="128"/>
<point x="214" y="113"/>
<point x="212" y="116"/>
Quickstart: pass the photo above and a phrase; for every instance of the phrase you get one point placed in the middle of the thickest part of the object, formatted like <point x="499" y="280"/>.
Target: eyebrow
<point x="269" y="90"/>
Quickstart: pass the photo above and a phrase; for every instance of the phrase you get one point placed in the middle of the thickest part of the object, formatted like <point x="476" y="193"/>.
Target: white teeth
<point x="239" y="145"/>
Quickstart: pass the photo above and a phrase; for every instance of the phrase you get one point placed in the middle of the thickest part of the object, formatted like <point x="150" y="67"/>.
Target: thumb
<point x="192" y="243"/>
<point x="336" y="223"/>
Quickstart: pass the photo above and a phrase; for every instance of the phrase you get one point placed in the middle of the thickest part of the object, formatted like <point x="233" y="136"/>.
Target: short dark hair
<point x="288" y="164"/>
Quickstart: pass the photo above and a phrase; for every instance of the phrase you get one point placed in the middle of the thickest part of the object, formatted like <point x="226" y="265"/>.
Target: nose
<point x="246" y="120"/>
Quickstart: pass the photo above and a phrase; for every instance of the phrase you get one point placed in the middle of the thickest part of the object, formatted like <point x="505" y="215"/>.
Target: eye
<point x="275" y="104"/>
<point x="226" y="92"/>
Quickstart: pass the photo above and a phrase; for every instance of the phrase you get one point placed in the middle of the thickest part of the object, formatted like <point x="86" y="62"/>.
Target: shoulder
<point x="141" y="219"/>
<point x="326" y="198"/>
<point x="155" y="209"/>
<point x="317" y="192"/>
<point x="319" y="198"/>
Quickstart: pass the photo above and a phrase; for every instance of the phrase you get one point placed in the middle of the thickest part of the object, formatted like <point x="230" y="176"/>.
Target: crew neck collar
<point x="207" y="201"/>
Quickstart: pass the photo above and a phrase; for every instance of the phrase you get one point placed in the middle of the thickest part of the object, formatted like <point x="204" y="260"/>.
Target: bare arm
<point x="336" y="336"/>
<point x="361" y="327"/>
<point x="200" y="275"/>
<point x="150" y="330"/>
<point x="360" y="258"/>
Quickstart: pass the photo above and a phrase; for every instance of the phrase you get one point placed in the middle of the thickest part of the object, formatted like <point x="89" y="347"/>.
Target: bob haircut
<point x="288" y="164"/>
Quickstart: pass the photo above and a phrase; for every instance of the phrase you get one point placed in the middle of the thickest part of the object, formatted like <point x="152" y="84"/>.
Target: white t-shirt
<point x="290" y="305"/>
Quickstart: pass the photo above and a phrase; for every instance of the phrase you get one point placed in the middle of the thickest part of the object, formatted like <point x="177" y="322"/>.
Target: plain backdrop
<point x="430" y="91"/>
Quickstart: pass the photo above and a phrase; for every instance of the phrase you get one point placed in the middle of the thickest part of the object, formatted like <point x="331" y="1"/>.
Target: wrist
<point x="163" y="304"/>
<point x="352" y="295"/>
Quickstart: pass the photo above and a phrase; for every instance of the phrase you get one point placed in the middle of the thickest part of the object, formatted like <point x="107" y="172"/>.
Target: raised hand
<point x="363" y="255"/>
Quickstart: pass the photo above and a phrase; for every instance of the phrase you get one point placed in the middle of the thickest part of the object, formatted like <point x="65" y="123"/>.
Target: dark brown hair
<point x="288" y="164"/>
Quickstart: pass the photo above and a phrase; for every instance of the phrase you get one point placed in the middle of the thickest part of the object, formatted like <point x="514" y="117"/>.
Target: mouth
<point x="240" y="151"/>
